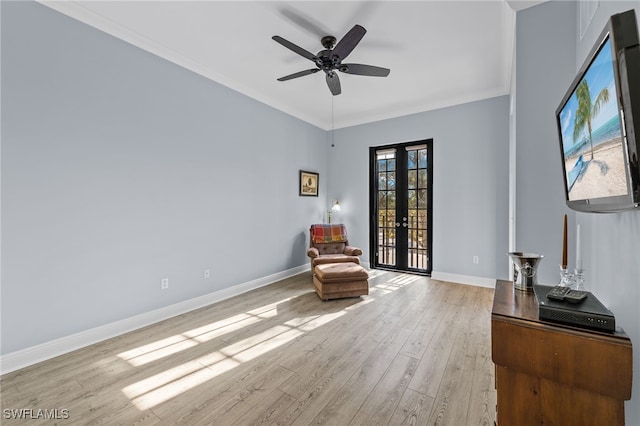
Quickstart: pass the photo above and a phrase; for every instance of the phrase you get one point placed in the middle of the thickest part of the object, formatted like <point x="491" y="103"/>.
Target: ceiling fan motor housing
<point x="324" y="61"/>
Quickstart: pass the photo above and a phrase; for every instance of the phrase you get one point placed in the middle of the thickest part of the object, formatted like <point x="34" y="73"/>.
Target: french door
<point x="401" y="182"/>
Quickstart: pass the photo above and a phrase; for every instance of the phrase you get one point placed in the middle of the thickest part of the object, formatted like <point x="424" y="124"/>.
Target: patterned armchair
<point x="329" y="244"/>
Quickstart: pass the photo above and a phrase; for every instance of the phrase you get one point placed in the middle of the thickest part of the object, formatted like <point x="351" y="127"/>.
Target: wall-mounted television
<point x="599" y="120"/>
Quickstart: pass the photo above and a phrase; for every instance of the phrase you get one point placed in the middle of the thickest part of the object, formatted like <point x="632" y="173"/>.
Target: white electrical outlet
<point x="207" y="273"/>
<point x="476" y="259"/>
<point x="164" y="283"/>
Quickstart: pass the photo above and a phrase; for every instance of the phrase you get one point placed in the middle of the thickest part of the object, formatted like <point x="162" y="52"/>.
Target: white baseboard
<point x="44" y="351"/>
<point x="464" y="279"/>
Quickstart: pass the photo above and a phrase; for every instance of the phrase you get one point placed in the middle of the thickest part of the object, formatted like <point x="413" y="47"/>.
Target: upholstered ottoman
<point x="337" y="280"/>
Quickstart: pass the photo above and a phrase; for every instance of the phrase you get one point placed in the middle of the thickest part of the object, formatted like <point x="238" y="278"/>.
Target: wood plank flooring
<point x="415" y="351"/>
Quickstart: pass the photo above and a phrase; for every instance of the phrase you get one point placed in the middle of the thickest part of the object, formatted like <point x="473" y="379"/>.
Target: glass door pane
<point x="417" y="186"/>
<point x="386" y="211"/>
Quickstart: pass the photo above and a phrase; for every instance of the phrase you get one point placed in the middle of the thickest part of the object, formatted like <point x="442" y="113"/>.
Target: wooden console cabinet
<point x="551" y="374"/>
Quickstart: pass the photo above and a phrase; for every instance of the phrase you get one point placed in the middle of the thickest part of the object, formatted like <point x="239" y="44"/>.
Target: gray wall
<point x="120" y="168"/>
<point x="548" y="34"/>
<point x="470" y="174"/>
<point x="545" y="63"/>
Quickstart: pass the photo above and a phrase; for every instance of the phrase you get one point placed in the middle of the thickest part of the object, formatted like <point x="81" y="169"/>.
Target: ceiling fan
<point x="330" y="59"/>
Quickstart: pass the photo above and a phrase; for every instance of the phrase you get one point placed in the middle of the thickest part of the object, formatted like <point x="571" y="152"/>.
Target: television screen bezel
<point x="622" y="31"/>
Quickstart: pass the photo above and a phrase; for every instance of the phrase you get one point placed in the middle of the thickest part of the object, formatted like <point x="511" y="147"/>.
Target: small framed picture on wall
<point x="308" y="184"/>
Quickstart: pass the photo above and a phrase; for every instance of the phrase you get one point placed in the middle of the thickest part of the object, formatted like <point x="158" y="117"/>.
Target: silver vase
<point x="526" y="269"/>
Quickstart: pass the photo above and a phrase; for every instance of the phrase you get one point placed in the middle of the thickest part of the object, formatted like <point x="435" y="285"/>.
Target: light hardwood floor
<point x="415" y="351"/>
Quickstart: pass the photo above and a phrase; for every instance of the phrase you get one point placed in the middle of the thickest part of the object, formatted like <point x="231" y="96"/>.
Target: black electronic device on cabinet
<point x="588" y="313"/>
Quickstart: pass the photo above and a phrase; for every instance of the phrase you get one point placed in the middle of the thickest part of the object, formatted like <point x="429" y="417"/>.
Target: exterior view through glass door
<point x="401" y="179"/>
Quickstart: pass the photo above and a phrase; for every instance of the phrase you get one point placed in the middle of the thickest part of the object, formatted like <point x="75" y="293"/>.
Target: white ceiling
<point x="440" y="53"/>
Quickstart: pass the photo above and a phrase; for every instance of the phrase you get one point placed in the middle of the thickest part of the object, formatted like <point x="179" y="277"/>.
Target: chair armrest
<point x="352" y="251"/>
<point x="313" y="252"/>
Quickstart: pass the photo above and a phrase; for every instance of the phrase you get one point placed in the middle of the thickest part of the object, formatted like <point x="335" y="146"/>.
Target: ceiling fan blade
<point x="347" y="43"/>
<point x="360" y="69"/>
<point x="298" y="74"/>
<point x="306" y="23"/>
<point x="334" y="83"/>
<point x="299" y="50"/>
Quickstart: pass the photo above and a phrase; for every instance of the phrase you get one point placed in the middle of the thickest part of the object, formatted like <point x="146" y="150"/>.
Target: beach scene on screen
<point x="592" y="134"/>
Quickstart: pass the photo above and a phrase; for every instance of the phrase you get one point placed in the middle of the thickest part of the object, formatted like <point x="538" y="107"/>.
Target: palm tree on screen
<point x="586" y="111"/>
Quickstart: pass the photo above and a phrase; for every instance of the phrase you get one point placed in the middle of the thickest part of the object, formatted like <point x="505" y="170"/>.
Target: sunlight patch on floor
<point x="156" y="350"/>
<point x="373" y="273"/>
<point x="395" y="283"/>
<point x="149" y="392"/>
<point x="402" y="280"/>
<point x="180" y="342"/>
<point x="161" y="387"/>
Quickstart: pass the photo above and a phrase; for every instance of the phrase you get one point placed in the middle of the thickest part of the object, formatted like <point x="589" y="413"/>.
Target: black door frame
<point x="401" y="206"/>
